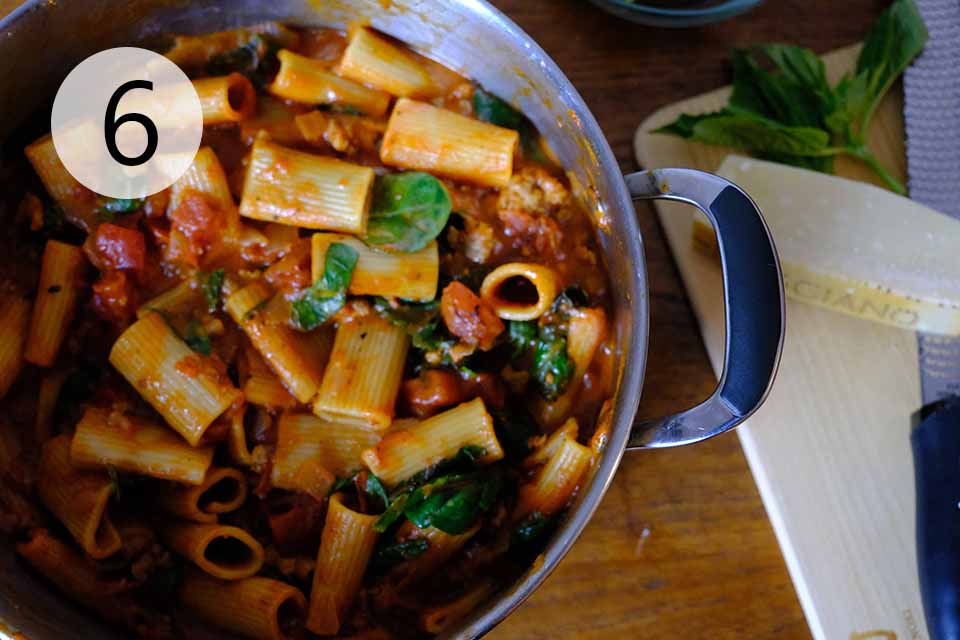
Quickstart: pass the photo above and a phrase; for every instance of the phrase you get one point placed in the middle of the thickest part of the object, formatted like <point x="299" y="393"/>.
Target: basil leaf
<point x="408" y="211"/>
<point x="212" y="284"/>
<point x="326" y="296"/>
<point x="759" y="134"/>
<point x="778" y="95"/>
<point x="388" y="556"/>
<point x="896" y="38"/>
<point x="196" y="338"/>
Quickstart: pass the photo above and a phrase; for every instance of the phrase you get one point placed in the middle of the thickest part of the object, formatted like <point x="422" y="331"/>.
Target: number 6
<point x="111" y="124"/>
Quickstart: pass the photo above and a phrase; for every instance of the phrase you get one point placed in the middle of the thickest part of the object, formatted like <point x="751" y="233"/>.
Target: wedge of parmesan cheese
<point x="854" y="247"/>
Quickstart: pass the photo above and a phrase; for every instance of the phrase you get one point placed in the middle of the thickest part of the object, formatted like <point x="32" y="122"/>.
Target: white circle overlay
<point x="79" y="128"/>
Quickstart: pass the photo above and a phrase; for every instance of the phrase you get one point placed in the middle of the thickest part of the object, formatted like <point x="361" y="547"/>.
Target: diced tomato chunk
<point x="199" y="220"/>
<point x="431" y="391"/>
<point x="468" y="317"/>
<point x="115" y="297"/>
<point x="119" y="248"/>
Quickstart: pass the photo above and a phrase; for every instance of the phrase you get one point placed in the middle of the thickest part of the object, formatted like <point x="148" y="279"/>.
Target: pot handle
<point x="753" y="293"/>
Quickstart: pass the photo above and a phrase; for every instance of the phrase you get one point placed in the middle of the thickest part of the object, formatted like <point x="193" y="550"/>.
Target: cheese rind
<point x="854" y="247"/>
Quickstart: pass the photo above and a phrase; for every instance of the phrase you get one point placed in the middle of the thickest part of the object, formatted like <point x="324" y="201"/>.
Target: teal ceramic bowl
<point x="676" y="14"/>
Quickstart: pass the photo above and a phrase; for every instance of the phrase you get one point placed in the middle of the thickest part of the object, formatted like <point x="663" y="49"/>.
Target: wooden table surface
<point x="681" y="546"/>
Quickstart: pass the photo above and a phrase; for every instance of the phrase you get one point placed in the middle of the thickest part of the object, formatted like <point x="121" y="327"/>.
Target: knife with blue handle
<point x="935" y="438"/>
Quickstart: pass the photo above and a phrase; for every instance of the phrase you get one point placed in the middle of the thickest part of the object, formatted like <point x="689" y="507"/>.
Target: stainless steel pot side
<point x="42" y="40"/>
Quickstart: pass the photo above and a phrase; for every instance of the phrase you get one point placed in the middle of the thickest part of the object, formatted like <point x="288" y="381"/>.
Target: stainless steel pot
<point x="42" y="40"/>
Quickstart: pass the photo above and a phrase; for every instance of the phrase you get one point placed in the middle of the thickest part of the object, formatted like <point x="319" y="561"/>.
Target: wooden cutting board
<point x="830" y="449"/>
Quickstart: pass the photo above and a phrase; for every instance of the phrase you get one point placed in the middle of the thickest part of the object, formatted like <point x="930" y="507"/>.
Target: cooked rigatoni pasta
<point x="226" y="98"/>
<point x="180" y="298"/>
<point x="303" y="438"/>
<point x="128" y="443"/>
<point x="223" y="490"/>
<point x="258" y="608"/>
<point x="279" y="345"/>
<point x="520" y="290"/>
<point x="345" y="549"/>
<point x="78" y="203"/>
<point x="403" y="453"/>
<point x="410" y="275"/>
<point x="78" y="498"/>
<point x="207" y="177"/>
<point x="332" y="355"/>
<point x="422" y="136"/>
<point x="276" y="119"/>
<point x="440" y="618"/>
<point x="78" y="578"/>
<point x="310" y="191"/>
<point x="303" y="79"/>
<point x="440" y="548"/>
<point x="14" y="323"/>
<point x="372" y="59"/>
<point x="363" y="376"/>
<point x="61" y="275"/>
<point x="222" y="551"/>
<point x="555" y="481"/>
<point x="198" y="51"/>
<point x="187" y="388"/>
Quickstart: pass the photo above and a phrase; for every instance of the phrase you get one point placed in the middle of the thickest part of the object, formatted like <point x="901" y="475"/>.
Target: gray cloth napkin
<point x="932" y="112"/>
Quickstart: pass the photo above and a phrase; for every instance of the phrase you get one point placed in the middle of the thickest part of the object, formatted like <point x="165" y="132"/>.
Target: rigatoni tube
<point x="79" y="204"/>
<point x="224" y="552"/>
<point x="14" y="323"/>
<point x="303" y="438"/>
<point x="188" y="389"/>
<point x="78" y="499"/>
<point x="259" y="608"/>
<point x="553" y="484"/>
<point x="520" y="290"/>
<point x="61" y="272"/>
<point x="346" y="546"/>
<point x="304" y="79"/>
<point x="372" y="59"/>
<point x="363" y="376"/>
<point x="421" y="136"/>
<point x="403" y="453"/>
<point x="104" y="438"/>
<point x="412" y="276"/>
<point x="305" y="190"/>
<point x="281" y="347"/>
<point x="223" y="490"/>
<point x="225" y="99"/>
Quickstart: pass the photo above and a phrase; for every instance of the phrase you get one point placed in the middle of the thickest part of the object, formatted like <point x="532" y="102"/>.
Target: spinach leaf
<point x="374" y="487"/>
<point x="390" y="555"/>
<point x="790" y="113"/>
<point x="514" y="426"/>
<point x="341" y="483"/>
<point x="522" y="335"/>
<point x="212" y="284"/>
<point x="453" y="503"/>
<point x="53" y="218"/>
<point x="423" y="324"/>
<point x="197" y="338"/>
<point x="257" y="60"/>
<point x="408" y="211"/>
<point x="552" y="366"/>
<point x="489" y="108"/>
<point x="113" y="207"/>
<point x="326" y="296"/>
<point x="531" y="528"/>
